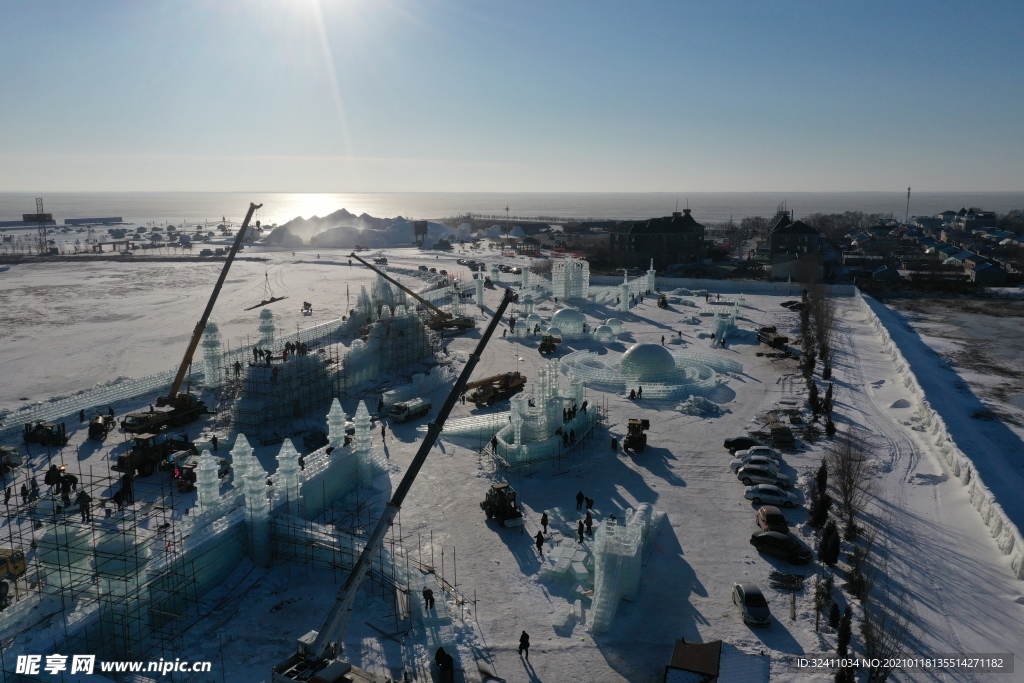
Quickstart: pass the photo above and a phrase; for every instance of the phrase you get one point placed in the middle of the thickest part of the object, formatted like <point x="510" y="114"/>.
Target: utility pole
<point x="907" y="217"/>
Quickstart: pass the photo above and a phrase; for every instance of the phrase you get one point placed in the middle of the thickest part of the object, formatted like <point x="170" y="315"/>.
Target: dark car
<point x="753" y="606"/>
<point x="785" y="546"/>
<point x="423" y="268"/>
<point x="770" y="518"/>
<point x="739" y="443"/>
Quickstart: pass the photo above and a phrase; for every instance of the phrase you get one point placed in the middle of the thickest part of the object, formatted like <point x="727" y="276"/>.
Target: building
<point x="673" y="239"/>
<point x="988" y="274"/>
<point x="793" y="237"/>
<point x="715" y="662"/>
<point x="972" y="218"/>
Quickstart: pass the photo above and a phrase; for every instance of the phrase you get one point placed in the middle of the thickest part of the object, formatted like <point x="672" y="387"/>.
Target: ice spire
<point x="207" y="482"/>
<point x="288" y="469"/>
<point x="336" y="424"/>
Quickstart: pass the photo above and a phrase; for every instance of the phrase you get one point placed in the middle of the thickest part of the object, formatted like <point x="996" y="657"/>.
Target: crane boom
<point x="197" y="334"/>
<point x="437" y="312"/>
<point x="336" y="622"/>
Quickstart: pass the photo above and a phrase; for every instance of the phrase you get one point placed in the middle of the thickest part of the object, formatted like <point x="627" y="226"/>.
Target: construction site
<point x="430" y="464"/>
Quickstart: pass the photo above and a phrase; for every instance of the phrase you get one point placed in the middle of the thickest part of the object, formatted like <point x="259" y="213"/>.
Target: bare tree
<point x="823" y="315"/>
<point x="884" y="630"/>
<point x="850" y="474"/>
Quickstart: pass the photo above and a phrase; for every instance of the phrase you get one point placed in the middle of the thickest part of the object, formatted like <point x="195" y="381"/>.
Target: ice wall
<point x="213" y="356"/>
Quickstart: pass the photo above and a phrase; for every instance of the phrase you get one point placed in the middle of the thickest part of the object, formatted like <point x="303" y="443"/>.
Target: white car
<point x="770" y="494"/>
<point x="766" y="451"/>
<point x="760" y="474"/>
<point x="755" y="460"/>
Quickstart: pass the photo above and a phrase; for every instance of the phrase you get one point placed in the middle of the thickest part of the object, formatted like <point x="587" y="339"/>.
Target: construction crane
<point x="315" y="657"/>
<point x="185" y="401"/>
<point x="440" y="319"/>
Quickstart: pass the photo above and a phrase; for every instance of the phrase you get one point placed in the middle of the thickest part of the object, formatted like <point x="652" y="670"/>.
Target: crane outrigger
<point x="315" y="659"/>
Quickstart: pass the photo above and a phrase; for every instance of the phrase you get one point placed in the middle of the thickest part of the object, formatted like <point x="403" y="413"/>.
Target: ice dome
<point x="554" y="332"/>
<point x="569" y="320"/>
<point x="533" y="319"/>
<point x="603" y="333"/>
<point x="615" y="324"/>
<point x="647" y="362"/>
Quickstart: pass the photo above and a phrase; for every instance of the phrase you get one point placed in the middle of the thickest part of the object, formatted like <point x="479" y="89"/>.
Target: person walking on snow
<point x="524" y="645"/>
<point x="539" y="539"/>
<point x="589" y="521"/>
<point x="579" y="530"/>
<point x="543" y="517"/>
<point x="590" y="504"/>
<point x="579" y="500"/>
<point x="428" y="598"/>
<point x="83" y="501"/>
<point x="383" y="431"/>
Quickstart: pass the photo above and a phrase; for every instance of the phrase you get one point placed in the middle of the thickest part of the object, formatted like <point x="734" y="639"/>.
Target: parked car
<point x="784" y="546"/>
<point x="766" y="451"/>
<point x="753" y="606"/>
<point x="462" y="262"/>
<point x="423" y="268"/>
<point x="771" y="495"/>
<point x="737" y="463"/>
<point x="761" y="474"/>
<point x="738" y="443"/>
<point x="770" y="518"/>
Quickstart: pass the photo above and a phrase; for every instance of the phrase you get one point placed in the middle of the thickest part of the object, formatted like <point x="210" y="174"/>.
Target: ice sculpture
<point x="604" y="334"/>
<point x="266" y="329"/>
<point x="661" y="373"/>
<point x="122" y="558"/>
<point x="526" y="303"/>
<point x="619" y="553"/>
<point x="212" y="356"/>
<point x="570" y="279"/>
<point x="624" y="294"/>
<point x="570" y="321"/>
<point x="526" y="278"/>
<point x="370" y="463"/>
<point x="254" y="479"/>
<point x="336" y="420"/>
<point x="241" y="455"/>
<point x="64" y="552"/>
<point x="207" y="482"/>
<point x="651" y="278"/>
<point x="615" y="324"/>
<point x="288" y="474"/>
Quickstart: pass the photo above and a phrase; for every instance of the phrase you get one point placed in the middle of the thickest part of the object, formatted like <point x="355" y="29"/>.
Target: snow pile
<point x="346" y="230"/>
<point x="698" y="406"/>
<point x="1006" y="533"/>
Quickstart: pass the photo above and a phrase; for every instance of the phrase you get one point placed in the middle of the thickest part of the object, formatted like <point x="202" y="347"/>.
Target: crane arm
<point x="197" y="334"/>
<point x="438" y="313"/>
<point x="336" y="622"/>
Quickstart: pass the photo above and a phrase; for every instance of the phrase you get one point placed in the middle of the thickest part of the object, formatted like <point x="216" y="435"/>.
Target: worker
<point x="81" y="415"/>
<point x="640" y="392"/>
<point x="543" y="517"/>
<point x="439" y="657"/>
<point x="615" y="444"/>
<point x="52" y="477"/>
<point x="428" y="598"/>
<point x="572" y="436"/>
<point x="24" y="493"/>
<point x="110" y="412"/>
<point x="662" y="340"/>
<point x="213" y="442"/>
<point x="524" y="645"/>
<point x="579" y="530"/>
<point x="579" y="500"/>
<point x="584" y="407"/>
<point x="83" y="501"/>
<point x="238" y="368"/>
<point x="494" y="444"/>
<point x="590" y="503"/>
<point x="539" y="542"/>
<point x="632" y="394"/>
<point x="7" y="498"/>
<point x="589" y="522"/>
<point x="383" y="431"/>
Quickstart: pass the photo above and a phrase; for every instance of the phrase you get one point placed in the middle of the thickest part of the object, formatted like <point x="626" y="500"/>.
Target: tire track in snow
<point x="901" y="448"/>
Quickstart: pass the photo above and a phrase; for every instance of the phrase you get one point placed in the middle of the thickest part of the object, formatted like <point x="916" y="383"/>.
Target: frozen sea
<point x="200" y="207"/>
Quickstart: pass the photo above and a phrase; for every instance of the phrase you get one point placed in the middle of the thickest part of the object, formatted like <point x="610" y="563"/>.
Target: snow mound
<point x="698" y="406"/>
<point x="902" y="403"/>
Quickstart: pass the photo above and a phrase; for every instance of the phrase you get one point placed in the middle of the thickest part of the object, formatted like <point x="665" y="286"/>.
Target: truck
<point x="403" y="411"/>
<point x="499" y="504"/>
<point x="150" y="451"/>
<point x="10" y="458"/>
<point x="186" y="409"/>
<point x="636" y="439"/>
<point x="490" y="390"/>
<point x="12" y="565"/>
<point x="185" y="464"/>
<point x="771" y="337"/>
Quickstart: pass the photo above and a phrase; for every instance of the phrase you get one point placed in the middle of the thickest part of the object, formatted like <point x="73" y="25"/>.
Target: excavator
<point x="490" y="390"/>
<point x="178" y="408"/>
<point x="440" y="320"/>
<point x="316" y="659"/>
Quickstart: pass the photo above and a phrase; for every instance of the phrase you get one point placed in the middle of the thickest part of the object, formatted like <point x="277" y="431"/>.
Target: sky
<point x="525" y="96"/>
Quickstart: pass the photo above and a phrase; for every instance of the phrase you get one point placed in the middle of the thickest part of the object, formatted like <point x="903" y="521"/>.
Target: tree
<point x="809" y="361"/>
<point x="826" y="371"/>
<point x="828" y="547"/>
<point x="845" y="632"/>
<point x="834" y="615"/>
<point x="849" y="469"/>
<point x="884" y="630"/>
<point x="826" y="406"/>
<point x="821" y="476"/>
<point x="830" y="427"/>
<point x="812" y="399"/>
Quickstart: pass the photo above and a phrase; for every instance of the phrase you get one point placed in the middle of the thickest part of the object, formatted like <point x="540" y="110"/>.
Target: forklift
<point x="636" y="439"/>
<point x="500" y="505"/>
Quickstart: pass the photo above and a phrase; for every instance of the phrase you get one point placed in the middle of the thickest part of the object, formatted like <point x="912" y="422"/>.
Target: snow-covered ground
<point x="67" y="327"/>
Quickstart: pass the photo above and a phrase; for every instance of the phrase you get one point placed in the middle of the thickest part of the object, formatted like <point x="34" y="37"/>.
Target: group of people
<point x="637" y="394"/>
